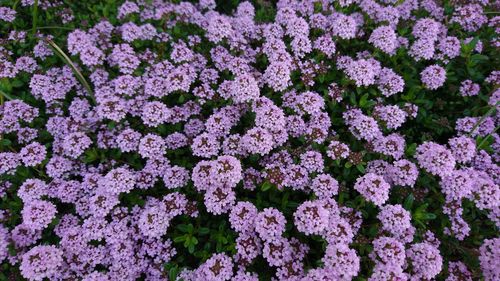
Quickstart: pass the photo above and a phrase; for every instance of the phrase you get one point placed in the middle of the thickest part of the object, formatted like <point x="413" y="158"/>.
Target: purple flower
<point x="244" y="88"/>
<point x="270" y="223"/>
<point x="32" y="189"/>
<point x="470" y="17"/>
<point x="4" y="243"/>
<point x="175" y="177"/>
<point x="403" y="172"/>
<point x="362" y="71"/>
<point x="389" y="83"/>
<point x="392" y="145"/>
<point x="425" y="259"/>
<point x="384" y="38"/>
<point x="469" y="89"/>
<point x="324" y="186"/>
<point x="311" y="218"/>
<point x="488" y="258"/>
<point x="338" y="231"/>
<point x="457" y="185"/>
<point x="128" y="140"/>
<point x="42" y="262"/>
<point x="435" y="158"/>
<point x="342" y="261"/>
<point x="388" y="251"/>
<point x="277" y="251"/>
<point x="373" y="188"/>
<point x="219" y="199"/>
<point x="155" y="113"/>
<point x="360" y="125"/>
<point x="218" y="267"/>
<point x="33" y="154"/>
<point x="9" y="162"/>
<point x="433" y="77"/>
<point x="344" y="26"/>
<point x="151" y="146"/>
<point x="7" y="14"/>
<point x="119" y="180"/>
<point x="242" y="216"/>
<point x="75" y="144"/>
<point x="38" y="214"/>
<point x="458" y="271"/>
<point x="257" y="140"/>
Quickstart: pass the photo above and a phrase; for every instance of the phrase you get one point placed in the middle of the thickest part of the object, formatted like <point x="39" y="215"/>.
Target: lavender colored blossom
<point x="388" y="251"/>
<point x="338" y="150"/>
<point x="269" y="223"/>
<point x="75" y="144"/>
<point x="384" y="38"/>
<point x="42" y="262"/>
<point x="119" y="180"/>
<point x="468" y="88"/>
<point x="242" y="216"/>
<point x="7" y="14"/>
<point x="489" y="258"/>
<point x="342" y="261"/>
<point x="311" y="218"/>
<point x="151" y="146"/>
<point x="257" y="140"/>
<point x="38" y="214"/>
<point x="403" y="172"/>
<point x="389" y="83"/>
<point x="324" y="186"/>
<point x="33" y="154"/>
<point x="470" y="17"/>
<point x="435" y="158"/>
<point x="205" y="145"/>
<point x="425" y="259"/>
<point x="373" y="188"/>
<point x="433" y="77"/>
<point x="277" y="251"/>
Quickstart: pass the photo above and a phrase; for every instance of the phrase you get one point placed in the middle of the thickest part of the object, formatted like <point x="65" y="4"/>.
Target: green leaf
<point x="408" y="203"/>
<point x="180" y="239"/>
<point x="183" y="228"/>
<point x="203" y="230"/>
<point x="360" y="168"/>
<point x="172" y="273"/>
<point x="266" y="186"/>
<point x="5" y="142"/>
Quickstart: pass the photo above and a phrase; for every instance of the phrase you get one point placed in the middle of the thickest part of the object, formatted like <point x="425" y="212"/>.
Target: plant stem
<point x="70" y="63"/>
<point x="481" y="120"/>
<point x="7" y="96"/>
<point x="55" y="27"/>
<point x="35" y="16"/>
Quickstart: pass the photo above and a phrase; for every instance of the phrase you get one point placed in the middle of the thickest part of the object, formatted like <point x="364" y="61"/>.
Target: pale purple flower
<point x="373" y="188"/>
<point x="311" y="218"/>
<point x="270" y="223"/>
<point x="42" y="262"/>
<point x="433" y="77"/>
<point x="38" y="214"/>
<point x="33" y="154"/>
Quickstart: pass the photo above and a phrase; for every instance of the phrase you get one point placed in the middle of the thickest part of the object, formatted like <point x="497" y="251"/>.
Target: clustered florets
<point x="232" y="110"/>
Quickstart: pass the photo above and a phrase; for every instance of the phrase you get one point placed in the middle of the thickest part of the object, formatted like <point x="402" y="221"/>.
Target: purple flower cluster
<point x="215" y="122"/>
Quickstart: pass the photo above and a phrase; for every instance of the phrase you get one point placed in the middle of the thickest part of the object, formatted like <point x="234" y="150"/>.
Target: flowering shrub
<point x="218" y="140"/>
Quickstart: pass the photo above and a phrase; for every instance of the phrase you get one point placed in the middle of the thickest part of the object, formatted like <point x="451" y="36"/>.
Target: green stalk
<point x="55" y="27"/>
<point x="35" y="16"/>
<point x="5" y="95"/>
<point x="60" y="53"/>
<point x="481" y="120"/>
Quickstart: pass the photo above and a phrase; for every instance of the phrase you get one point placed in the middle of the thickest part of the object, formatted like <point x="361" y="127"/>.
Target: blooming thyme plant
<point x="249" y="140"/>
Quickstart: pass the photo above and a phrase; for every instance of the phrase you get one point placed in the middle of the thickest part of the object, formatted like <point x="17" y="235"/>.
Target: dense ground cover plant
<point x="219" y="140"/>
